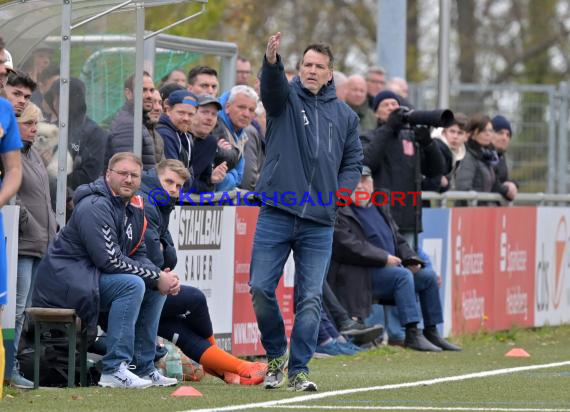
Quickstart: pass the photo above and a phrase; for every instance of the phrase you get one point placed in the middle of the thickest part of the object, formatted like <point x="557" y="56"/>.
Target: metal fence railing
<point x="538" y="153"/>
<point x="473" y="198"/>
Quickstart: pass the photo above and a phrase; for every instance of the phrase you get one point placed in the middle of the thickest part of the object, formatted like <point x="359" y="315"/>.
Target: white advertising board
<point x="552" y="275"/>
<point x="204" y="238"/>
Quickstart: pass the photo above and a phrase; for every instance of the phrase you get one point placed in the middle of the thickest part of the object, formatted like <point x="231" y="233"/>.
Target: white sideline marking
<point x="385" y="387"/>
<point x="414" y="408"/>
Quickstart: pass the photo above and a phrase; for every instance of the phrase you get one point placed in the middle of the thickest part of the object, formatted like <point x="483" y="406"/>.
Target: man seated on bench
<point x="98" y="263"/>
<point x="371" y="259"/>
<point x="185" y="319"/>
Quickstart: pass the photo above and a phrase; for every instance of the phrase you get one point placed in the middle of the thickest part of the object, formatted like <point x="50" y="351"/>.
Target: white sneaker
<point x="158" y="379"/>
<point x="123" y="378"/>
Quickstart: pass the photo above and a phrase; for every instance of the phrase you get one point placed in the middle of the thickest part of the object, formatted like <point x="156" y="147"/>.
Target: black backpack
<point x="53" y="360"/>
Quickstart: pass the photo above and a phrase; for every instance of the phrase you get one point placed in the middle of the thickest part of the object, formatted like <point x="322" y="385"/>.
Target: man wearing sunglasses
<point x="98" y="266"/>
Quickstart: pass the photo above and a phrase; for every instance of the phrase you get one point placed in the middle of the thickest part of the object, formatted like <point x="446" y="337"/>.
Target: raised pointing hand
<point x="273" y="48"/>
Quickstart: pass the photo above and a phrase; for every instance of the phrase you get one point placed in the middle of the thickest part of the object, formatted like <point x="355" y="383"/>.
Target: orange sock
<point x="216" y="359"/>
<point x="212" y="340"/>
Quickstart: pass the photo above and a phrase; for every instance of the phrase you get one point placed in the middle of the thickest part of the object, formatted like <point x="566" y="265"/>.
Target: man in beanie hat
<point x="501" y="140"/>
<point x="385" y="103"/>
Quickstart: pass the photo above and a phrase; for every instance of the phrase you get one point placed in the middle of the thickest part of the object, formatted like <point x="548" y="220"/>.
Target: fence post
<point x="562" y="140"/>
<point x="551" y="166"/>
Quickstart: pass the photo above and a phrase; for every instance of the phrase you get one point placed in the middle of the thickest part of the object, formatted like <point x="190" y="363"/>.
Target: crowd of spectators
<point x="220" y="141"/>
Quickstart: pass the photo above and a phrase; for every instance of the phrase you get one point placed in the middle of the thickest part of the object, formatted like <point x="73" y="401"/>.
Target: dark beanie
<point x="500" y="122"/>
<point x="384" y="94"/>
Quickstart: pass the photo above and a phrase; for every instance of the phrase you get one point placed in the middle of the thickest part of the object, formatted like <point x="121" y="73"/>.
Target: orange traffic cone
<point x="186" y="390"/>
<point x="517" y="353"/>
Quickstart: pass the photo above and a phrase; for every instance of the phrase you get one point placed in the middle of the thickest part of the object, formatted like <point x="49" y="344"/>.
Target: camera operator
<point x="399" y="154"/>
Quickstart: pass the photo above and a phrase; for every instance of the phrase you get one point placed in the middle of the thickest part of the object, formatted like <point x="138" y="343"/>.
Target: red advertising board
<point x="245" y="333"/>
<point x="514" y="267"/>
<point x="472" y="255"/>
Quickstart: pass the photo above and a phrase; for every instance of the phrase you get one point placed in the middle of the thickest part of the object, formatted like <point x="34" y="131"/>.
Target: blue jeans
<point x="327" y="330"/>
<point x="402" y="285"/>
<point x="134" y="312"/>
<point x="26" y="275"/>
<point x="277" y="233"/>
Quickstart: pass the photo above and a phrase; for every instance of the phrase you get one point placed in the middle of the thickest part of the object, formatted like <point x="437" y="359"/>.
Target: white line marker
<point x="412" y="408"/>
<point x="385" y="387"/>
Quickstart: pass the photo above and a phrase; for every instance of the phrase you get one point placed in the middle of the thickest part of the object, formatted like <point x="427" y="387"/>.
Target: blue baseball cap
<point x="182" y="97"/>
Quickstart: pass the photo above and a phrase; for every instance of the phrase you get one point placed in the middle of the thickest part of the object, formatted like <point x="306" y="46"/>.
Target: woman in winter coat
<point x="37" y="224"/>
<point x="476" y="172"/>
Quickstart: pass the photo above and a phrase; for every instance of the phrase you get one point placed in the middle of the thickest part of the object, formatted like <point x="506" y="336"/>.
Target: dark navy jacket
<point x="354" y="256"/>
<point x="157" y="217"/>
<point x="177" y="144"/>
<point x="203" y="154"/>
<point x="312" y="146"/>
<point x="392" y="155"/>
<point x="103" y="235"/>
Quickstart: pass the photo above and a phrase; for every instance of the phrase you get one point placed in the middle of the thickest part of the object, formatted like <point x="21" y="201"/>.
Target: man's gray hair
<point x="375" y="70"/>
<point x="243" y="89"/>
<point x="339" y="78"/>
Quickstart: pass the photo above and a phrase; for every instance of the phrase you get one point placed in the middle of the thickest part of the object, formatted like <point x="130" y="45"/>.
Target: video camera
<point x="433" y="118"/>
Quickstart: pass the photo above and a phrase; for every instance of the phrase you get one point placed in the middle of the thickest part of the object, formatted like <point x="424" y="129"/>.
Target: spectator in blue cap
<point x="174" y="126"/>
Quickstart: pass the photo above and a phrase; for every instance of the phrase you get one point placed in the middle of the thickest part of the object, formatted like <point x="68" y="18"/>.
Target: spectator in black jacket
<point x="501" y="141"/>
<point x="454" y="138"/>
<point x="87" y="140"/>
<point x="151" y="121"/>
<point x="371" y="259"/>
<point x="398" y="156"/>
<point x="121" y="138"/>
<point x="206" y="176"/>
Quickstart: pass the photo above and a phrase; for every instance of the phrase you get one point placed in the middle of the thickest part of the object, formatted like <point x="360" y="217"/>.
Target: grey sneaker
<point x="158" y="379"/>
<point x="301" y="382"/>
<point x="275" y="376"/>
<point x="18" y="381"/>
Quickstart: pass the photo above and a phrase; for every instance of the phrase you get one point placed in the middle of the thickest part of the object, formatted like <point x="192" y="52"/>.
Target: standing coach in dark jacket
<point x="312" y="148"/>
<point x="121" y="138"/>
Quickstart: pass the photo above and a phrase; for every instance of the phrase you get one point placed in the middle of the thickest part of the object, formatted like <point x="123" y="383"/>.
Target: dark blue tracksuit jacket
<point x="312" y="146"/>
<point x="103" y="235"/>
